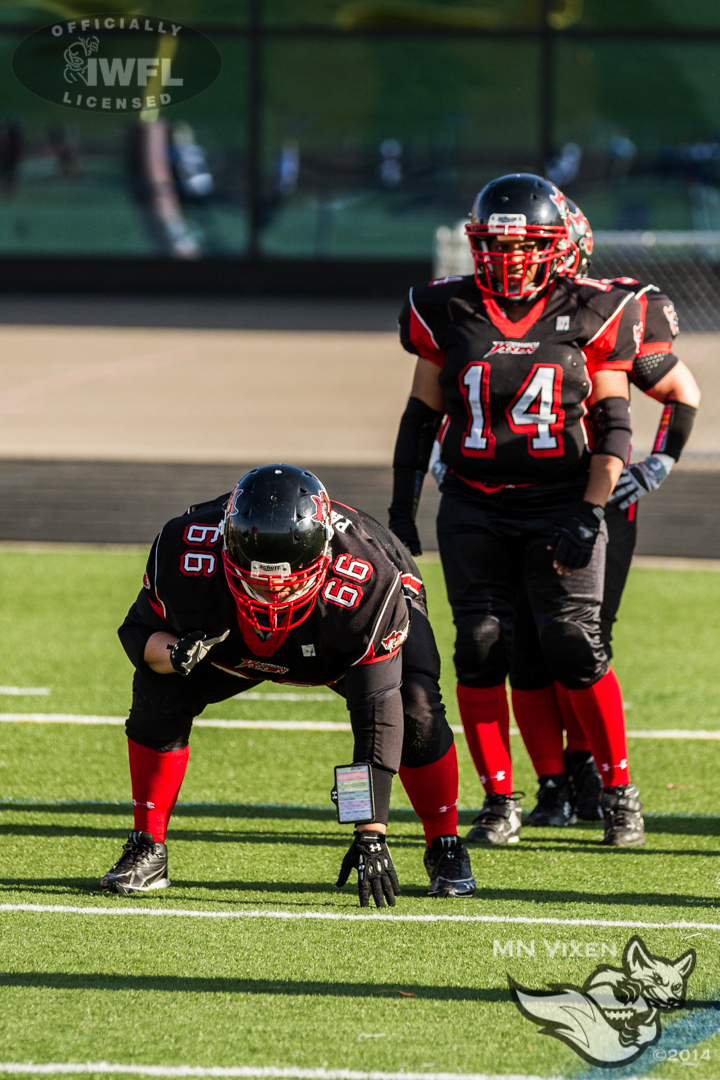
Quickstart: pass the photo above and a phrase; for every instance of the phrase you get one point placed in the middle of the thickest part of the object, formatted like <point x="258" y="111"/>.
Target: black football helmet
<point x="581" y="240"/>
<point x="276" y="534"/>
<point x="524" y="207"/>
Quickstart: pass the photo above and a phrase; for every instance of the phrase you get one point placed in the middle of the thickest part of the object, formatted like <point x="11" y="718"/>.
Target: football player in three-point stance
<point x="529" y="367"/>
<point x="570" y="784"/>
<point x="275" y="582"/>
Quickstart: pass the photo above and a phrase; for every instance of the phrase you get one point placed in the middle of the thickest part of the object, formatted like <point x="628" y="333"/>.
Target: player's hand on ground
<point x="192" y="648"/>
<point x="406" y="531"/>
<point x="575" y="539"/>
<point x="636" y="480"/>
<point x="369" y="855"/>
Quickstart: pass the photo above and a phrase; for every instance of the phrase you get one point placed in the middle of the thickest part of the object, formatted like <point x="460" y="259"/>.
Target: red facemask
<point x="503" y="273"/>
<point x="265" y="623"/>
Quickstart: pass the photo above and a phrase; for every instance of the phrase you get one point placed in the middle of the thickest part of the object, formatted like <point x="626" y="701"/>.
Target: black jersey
<point x="516" y="392"/>
<point x="361" y="616"/>
<point x="654" y="358"/>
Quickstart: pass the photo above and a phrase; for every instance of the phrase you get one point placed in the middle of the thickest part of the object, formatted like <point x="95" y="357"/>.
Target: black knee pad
<point x="160" y="717"/>
<point x="480" y="651"/>
<point x="138" y="735"/>
<point x="427" y="736"/>
<point x="574" y="654"/>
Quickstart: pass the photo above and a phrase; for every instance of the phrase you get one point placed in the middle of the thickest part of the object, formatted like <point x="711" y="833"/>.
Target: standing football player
<point x="513" y="358"/>
<point x="276" y="582"/>
<point x="570" y="783"/>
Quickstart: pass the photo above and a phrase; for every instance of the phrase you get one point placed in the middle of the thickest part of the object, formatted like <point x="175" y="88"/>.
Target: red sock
<point x="156" y="780"/>
<point x="486" y="720"/>
<point x="433" y="791"/>
<point x="541" y="726"/>
<point x="576" y="737"/>
<point x="600" y="711"/>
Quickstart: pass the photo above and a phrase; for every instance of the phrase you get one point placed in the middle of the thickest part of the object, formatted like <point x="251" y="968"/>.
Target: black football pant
<point x="491" y="547"/>
<point x="527" y="667"/>
<point x="164" y="706"/>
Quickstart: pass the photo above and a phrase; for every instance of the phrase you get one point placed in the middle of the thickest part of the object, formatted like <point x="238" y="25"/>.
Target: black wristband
<point x="418" y="427"/>
<point x="610" y="419"/>
<point x="676" y="424"/>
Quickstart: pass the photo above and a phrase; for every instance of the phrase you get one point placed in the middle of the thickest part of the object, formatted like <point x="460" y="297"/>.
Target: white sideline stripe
<point x="272" y="1071"/>
<point x="299" y="725"/>
<point x="21" y="691"/>
<point x="332" y="916"/>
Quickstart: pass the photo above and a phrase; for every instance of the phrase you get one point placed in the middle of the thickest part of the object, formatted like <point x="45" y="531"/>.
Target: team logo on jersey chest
<point x="513" y="348"/>
<point x="264" y="666"/>
<point x="562" y="322"/>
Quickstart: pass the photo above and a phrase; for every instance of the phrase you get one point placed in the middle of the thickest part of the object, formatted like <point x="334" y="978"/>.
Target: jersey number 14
<point x="535" y="411"/>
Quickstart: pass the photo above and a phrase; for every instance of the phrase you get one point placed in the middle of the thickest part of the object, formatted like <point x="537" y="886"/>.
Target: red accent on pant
<point x="538" y="717"/>
<point x="576" y="737"/>
<point x="485" y="718"/>
<point x="156" y="781"/>
<point x="599" y="709"/>
<point x="433" y="791"/>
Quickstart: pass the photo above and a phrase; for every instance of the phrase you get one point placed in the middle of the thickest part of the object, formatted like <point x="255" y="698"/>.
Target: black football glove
<point x="406" y="531"/>
<point x="193" y="648"/>
<point x="369" y="855"/>
<point x="575" y="539"/>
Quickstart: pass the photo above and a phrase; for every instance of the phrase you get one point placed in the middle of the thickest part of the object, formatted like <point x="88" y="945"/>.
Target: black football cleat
<point x="554" y="803"/>
<point x="621" y="807"/>
<point x="499" y="821"/>
<point x="447" y="862"/>
<point x="142" y="866"/>
<point x="586" y="784"/>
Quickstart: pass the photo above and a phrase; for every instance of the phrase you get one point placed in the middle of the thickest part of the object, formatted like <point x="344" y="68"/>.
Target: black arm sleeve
<point x="376" y="714"/>
<point x="135" y="633"/>
<point x="418" y="428"/>
<point x="610" y="419"/>
<point x="676" y="424"/>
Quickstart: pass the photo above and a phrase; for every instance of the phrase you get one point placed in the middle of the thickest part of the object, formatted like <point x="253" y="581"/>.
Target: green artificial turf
<point x="254" y="832"/>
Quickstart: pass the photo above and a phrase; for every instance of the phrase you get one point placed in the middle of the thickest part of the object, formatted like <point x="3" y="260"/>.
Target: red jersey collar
<point x="507" y="326"/>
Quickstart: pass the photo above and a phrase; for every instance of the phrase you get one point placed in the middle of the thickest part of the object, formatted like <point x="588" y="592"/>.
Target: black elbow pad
<point x="610" y="419"/>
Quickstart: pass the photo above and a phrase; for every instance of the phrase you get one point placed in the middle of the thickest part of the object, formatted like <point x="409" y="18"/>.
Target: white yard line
<point x="331" y="916"/>
<point x="298" y="725"/>
<point x="21" y="691"/>
<point x="270" y="1071"/>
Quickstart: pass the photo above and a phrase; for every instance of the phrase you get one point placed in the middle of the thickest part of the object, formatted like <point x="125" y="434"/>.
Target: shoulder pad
<point x="203" y="526"/>
<point x="441" y="290"/>
<point x="600" y="296"/>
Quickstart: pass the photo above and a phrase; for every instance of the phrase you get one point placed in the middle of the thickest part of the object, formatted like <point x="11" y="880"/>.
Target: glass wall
<point x="352" y="129"/>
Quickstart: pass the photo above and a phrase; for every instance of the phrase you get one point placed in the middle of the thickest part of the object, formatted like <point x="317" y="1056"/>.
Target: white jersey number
<point x="474" y="383"/>
<point x="342" y="593"/>
<point x="536" y="411"/>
